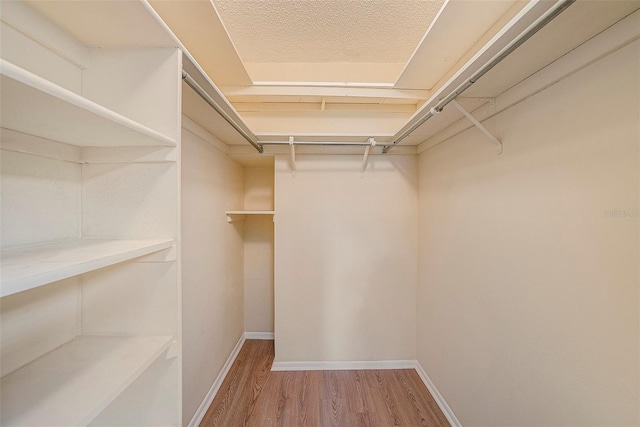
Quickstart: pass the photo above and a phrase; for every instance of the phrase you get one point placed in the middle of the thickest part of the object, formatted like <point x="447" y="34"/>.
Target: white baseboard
<point x="444" y="407"/>
<point x="346" y="365"/>
<point x="259" y="335"/>
<point x="204" y="406"/>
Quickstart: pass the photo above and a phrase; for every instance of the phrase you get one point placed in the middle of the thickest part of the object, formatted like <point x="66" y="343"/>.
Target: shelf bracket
<point x="173" y="351"/>
<point x="478" y="124"/>
<point x="234" y="217"/>
<point x="293" y="156"/>
<point x="372" y="143"/>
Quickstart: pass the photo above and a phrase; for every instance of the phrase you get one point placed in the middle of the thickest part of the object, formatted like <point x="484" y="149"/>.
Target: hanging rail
<point x="537" y="25"/>
<point x="205" y="96"/>
<point x="345" y="143"/>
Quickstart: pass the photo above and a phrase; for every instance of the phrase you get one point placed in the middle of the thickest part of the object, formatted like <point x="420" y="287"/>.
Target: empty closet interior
<point x="460" y="197"/>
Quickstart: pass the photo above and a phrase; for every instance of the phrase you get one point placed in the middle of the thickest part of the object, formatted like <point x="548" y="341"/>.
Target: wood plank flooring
<point x="252" y="395"/>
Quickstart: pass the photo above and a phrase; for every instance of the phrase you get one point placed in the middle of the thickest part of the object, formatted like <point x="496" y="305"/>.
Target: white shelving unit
<point x="72" y="384"/>
<point x="89" y="203"/>
<point x="50" y="111"/>
<point x="233" y="216"/>
<point x="29" y="267"/>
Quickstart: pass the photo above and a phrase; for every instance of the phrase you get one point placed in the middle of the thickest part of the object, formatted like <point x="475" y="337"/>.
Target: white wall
<point x="258" y="250"/>
<point x="528" y="289"/>
<point x="37" y="321"/>
<point x="212" y="266"/>
<point x="345" y="259"/>
<point x="38" y="190"/>
<point x="26" y="52"/>
<point x="39" y="203"/>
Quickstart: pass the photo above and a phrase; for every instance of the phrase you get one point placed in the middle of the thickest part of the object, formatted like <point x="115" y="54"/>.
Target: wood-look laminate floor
<point x="252" y="395"/>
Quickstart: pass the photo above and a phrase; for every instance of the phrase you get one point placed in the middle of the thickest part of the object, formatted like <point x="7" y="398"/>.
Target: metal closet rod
<point x="205" y="96"/>
<point x="345" y="143"/>
<point x="536" y="26"/>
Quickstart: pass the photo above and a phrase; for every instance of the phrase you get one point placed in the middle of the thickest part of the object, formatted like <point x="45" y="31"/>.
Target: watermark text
<point x="622" y="213"/>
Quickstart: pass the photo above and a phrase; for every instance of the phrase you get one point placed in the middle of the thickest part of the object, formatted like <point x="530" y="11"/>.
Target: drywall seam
<point x="444" y="407"/>
<point x="211" y="394"/>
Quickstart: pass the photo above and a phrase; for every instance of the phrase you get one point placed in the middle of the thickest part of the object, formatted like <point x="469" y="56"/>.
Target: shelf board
<point x="240" y="215"/>
<point x="72" y="384"/>
<point x="35" y="106"/>
<point x="32" y="266"/>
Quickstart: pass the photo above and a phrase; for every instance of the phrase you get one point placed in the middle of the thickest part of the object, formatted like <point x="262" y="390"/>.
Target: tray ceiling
<point x="337" y="69"/>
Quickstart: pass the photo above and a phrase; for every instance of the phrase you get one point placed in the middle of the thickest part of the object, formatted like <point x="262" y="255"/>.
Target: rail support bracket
<point x="477" y="124"/>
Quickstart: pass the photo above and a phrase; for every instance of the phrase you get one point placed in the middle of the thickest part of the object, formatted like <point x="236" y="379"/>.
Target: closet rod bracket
<point x="293" y="156"/>
<point x="372" y="143"/>
<point x="477" y="124"/>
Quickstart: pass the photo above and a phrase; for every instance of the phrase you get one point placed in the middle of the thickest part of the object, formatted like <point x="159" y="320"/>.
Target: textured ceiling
<point x="376" y="31"/>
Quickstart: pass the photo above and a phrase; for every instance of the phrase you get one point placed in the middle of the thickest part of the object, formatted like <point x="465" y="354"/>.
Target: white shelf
<point x="72" y="384"/>
<point x="32" y="266"/>
<point x="240" y="215"/>
<point x="35" y="106"/>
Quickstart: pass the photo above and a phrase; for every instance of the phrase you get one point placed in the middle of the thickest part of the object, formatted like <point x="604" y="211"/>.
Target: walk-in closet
<point x="328" y="213"/>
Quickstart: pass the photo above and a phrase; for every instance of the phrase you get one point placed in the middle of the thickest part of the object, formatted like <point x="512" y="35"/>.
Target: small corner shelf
<point x="28" y="267"/>
<point x="233" y="216"/>
<point x="72" y="384"/>
<point x="35" y="106"/>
